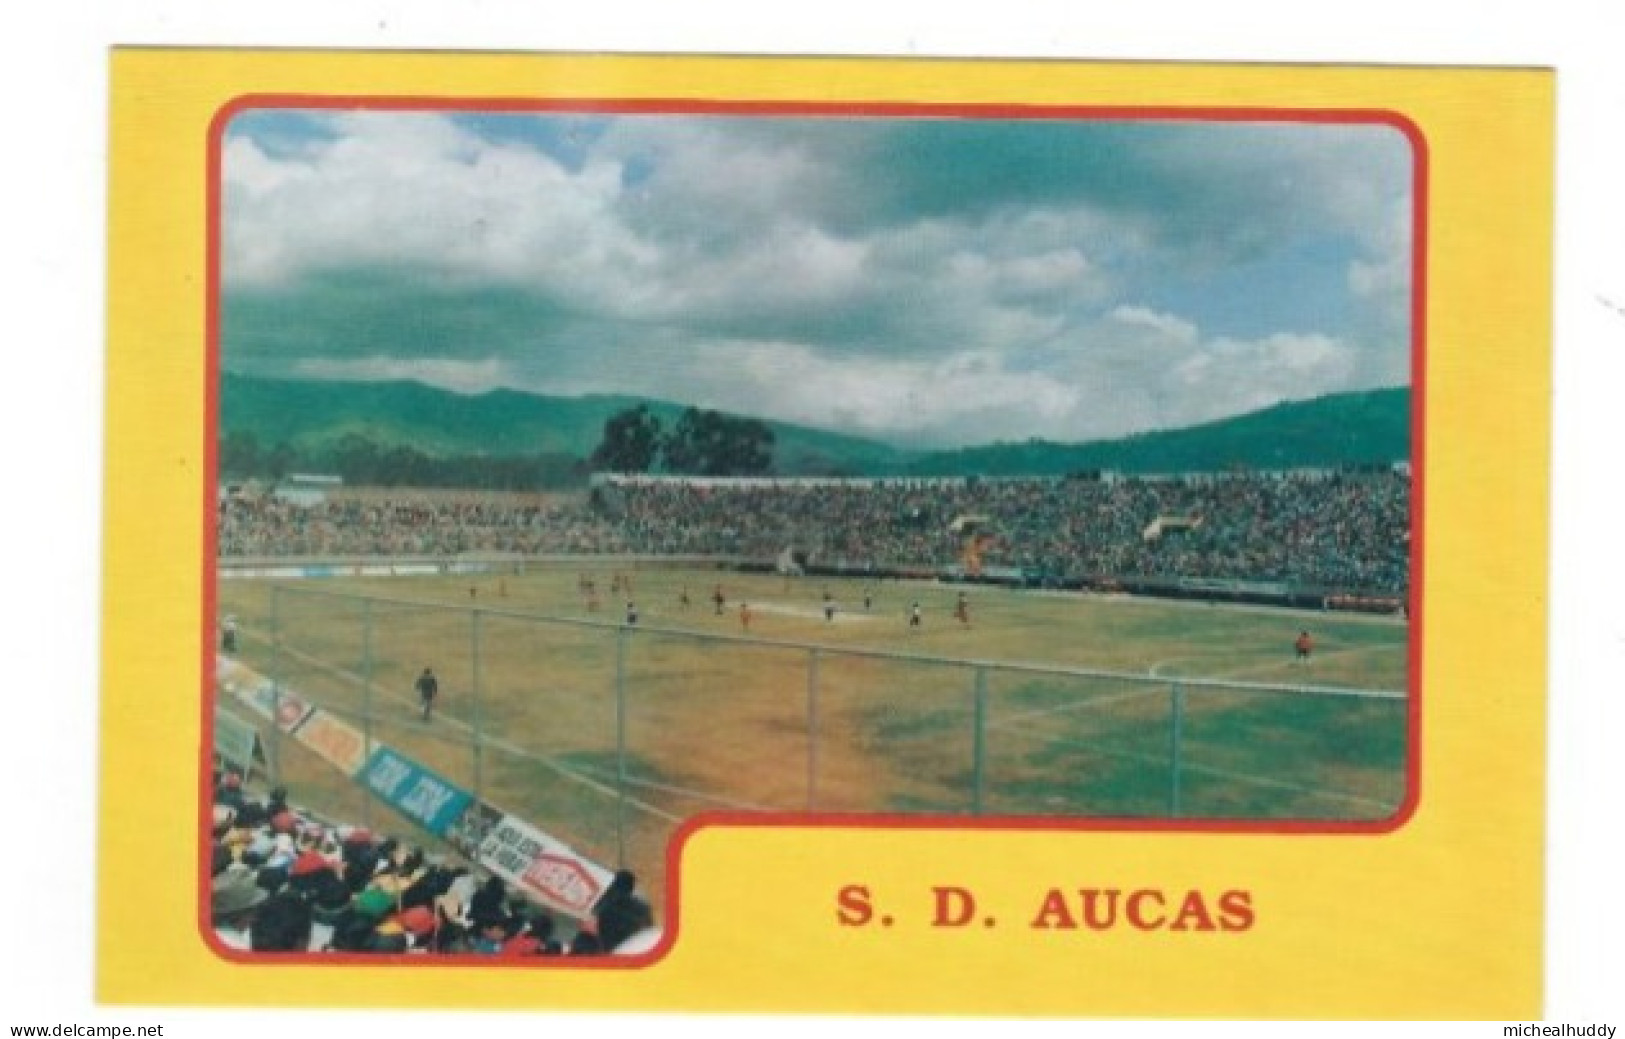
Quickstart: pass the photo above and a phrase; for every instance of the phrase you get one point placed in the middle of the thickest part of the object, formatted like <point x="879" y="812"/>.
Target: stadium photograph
<point x="581" y="474"/>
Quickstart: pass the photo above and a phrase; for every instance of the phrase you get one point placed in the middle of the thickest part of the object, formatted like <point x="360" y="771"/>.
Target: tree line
<point x="360" y="461"/>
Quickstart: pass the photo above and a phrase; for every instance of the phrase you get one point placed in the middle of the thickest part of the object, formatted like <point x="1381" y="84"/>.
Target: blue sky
<point x="928" y="281"/>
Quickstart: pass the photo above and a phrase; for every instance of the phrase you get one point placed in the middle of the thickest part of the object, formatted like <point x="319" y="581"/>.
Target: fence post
<point x="1176" y="724"/>
<point x="366" y="705"/>
<point x="979" y="743"/>
<point x="477" y="727"/>
<point x="620" y="747"/>
<point x="812" y="728"/>
<point x="276" y="687"/>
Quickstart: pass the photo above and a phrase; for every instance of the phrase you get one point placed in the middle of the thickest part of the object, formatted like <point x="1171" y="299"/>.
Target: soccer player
<point x="1302" y="647"/>
<point x="914" y="614"/>
<point x="228" y="635"/>
<point x="718" y="598"/>
<point x="962" y="610"/>
<point x="744" y="615"/>
<point x="428" y="687"/>
<point x="631" y="614"/>
<point x="682" y="597"/>
<point x="868" y="598"/>
<point x="829" y="608"/>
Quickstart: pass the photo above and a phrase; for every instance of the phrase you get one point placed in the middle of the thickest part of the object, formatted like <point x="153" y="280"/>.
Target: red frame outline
<point x="813" y="820"/>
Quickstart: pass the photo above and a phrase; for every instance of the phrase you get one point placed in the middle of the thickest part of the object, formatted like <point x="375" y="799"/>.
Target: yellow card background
<point x="1440" y="918"/>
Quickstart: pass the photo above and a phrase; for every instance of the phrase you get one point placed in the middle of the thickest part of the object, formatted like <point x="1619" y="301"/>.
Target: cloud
<point x="914" y="399"/>
<point x="946" y="279"/>
<point x="1131" y="371"/>
<point x="460" y="376"/>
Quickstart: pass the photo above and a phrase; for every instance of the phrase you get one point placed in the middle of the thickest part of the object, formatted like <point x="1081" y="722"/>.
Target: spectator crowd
<point x="284" y="881"/>
<point x="1347" y="531"/>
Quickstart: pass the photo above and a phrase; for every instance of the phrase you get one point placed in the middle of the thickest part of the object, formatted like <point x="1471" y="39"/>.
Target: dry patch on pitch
<point x="785" y="609"/>
<point x="716" y="722"/>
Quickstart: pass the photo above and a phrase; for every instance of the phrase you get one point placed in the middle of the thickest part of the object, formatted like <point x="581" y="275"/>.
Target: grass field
<point x="720" y="717"/>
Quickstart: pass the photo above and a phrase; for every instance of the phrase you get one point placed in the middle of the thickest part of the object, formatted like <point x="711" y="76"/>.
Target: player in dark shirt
<point x="428" y="688"/>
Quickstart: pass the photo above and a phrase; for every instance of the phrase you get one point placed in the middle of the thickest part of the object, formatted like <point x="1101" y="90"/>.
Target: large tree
<point x="709" y="443"/>
<point x="631" y="441"/>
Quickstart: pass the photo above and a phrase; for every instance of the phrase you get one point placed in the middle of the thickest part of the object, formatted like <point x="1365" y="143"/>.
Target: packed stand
<point x="285" y="882"/>
<point x="267" y="526"/>
<point x="1336" y="530"/>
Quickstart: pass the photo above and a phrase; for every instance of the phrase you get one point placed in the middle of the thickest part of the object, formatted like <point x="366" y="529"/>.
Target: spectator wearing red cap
<point x="419" y="925"/>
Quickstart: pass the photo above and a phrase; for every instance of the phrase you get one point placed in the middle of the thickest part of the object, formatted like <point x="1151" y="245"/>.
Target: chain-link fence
<point x="609" y="735"/>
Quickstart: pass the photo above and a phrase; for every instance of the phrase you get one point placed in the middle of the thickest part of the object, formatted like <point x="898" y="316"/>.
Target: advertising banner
<point x="472" y="827"/>
<point x="235" y="740"/>
<point x="428" y="799"/>
<point x="544" y="868"/>
<point x="339" y="743"/>
<point x="285" y="707"/>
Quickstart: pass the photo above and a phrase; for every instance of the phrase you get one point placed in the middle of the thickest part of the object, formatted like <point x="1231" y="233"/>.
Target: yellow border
<point x="1441" y="918"/>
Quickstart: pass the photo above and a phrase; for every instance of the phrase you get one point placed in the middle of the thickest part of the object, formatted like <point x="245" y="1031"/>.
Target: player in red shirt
<point x="1302" y="647"/>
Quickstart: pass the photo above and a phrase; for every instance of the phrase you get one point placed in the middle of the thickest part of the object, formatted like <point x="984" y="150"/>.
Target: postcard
<point x="798" y="535"/>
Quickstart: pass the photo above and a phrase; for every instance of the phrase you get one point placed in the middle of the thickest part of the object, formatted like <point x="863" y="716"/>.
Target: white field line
<point x="1012" y="721"/>
<point x="1130" y="601"/>
<point x="1256" y="669"/>
<point x="578" y="773"/>
<point x="1094" y="701"/>
<point x="680" y="791"/>
<point x="550" y="762"/>
<point x="1278" y="665"/>
<point x="842" y="616"/>
<point x="1154" y="669"/>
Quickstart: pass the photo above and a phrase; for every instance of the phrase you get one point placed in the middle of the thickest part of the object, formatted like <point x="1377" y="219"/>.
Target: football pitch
<point x="1036" y="704"/>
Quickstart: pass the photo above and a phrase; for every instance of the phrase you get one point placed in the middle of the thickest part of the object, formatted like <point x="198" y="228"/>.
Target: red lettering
<point x="1097" y="919"/>
<point x="1133" y="909"/>
<point x="1054" y="913"/>
<point x="1236" y="910"/>
<point x="1194" y="908"/>
<point x="854" y="908"/>
<point x="953" y="898"/>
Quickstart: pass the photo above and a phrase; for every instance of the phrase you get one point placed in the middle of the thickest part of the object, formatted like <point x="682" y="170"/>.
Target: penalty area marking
<point x="1094" y="701"/>
<point x="1155" y="670"/>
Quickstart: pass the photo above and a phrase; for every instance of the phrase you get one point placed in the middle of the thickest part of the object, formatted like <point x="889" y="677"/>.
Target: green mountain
<point x="311" y="415"/>
<point x="1341" y="429"/>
